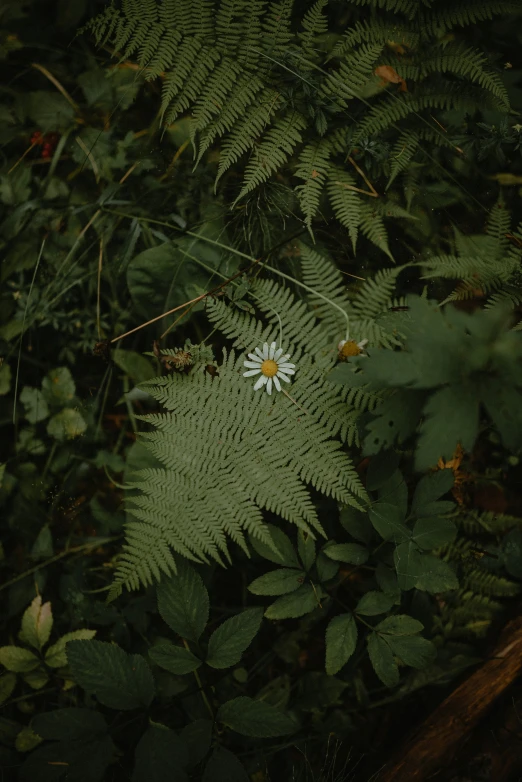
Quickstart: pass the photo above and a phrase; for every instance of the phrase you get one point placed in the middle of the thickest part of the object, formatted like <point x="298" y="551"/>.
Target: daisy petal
<point x="283" y="377"/>
<point x="362" y="343"/>
<point x="253" y="365"/>
<point x="272" y="350"/>
<point x="261" y="382"/>
<point x="265" y="351"/>
<point x="251" y="372"/>
<point x="287" y="370"/>
<point x="269" y="385"/>
<point x="277" y="354"/>
<point x="286" y="364"/>
<point x="260" y="354"/>
<point x="277" y="383"/>
<point x="254" y="357"/>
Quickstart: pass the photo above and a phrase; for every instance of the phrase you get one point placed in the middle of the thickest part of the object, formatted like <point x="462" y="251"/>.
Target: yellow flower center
<point x="350" y="348"/>
<point x="269" y="368"/>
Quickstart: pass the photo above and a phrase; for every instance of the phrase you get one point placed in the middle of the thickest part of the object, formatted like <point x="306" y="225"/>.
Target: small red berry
<point x="37" y="138"/>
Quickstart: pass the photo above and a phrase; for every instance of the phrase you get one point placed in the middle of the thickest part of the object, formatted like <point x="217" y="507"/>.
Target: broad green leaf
<point x="84" y="760"/>
<point x="374" y="603"/>
<point x="136" y="366"/>
<point x="413" y="650"/>
<point x="42" y="548"/>
<point x="306" y="549"/>
<point x="408" y="564"/>
<point x="36" y="408"/>
<point x="7" y="685"/>
<point x="433" y="532"/>
<point x="229" y="641"/>
<point x="36" y="679"/>
<point x="352" y="553"/>
<point x="69" y="724"/>
<point x="37" y="623"/>
<point x="381" y="468"/>
<point x="357" y="524"/>
<point x="400" y="624"/>
<point x="56" y="656"/>
<point x="503" y="403"/>
<point x="255" y="718"/>
<point x="341" y="640"/>
<point x="395" y="419"/>
<point x="5" y="378"/>
<point x="183" y="602"/>
<point x="326" y="567"/>
<point x="297" y="604"/>
<point x="26" y="740"/>
<point x="450" y="417"/>
<point x="431" y="488"/>
<point x="283" y="552"/>
<point x="66" y="425"/>
<point x="381" y="657"/>
<point x="318" y="690"/>
<point x="387" y="580"/>
<point x="197" y="737"/>
<point x="388" y="521"/>
<point x="175" y="659"/>
<point x="161" y="755"/>
<point x="395" y="492"/>
<point x="435" y="575"/>
<point x="58" y="386"/>
<point x="119" y="680"/>
<point x="18" y="660"/>
<point x="223" y="766"/>
<point x="49" y="110"/>
<point x="511" y="553"/>
<point x="437" y="508"/>
<point x="278" y="582"/>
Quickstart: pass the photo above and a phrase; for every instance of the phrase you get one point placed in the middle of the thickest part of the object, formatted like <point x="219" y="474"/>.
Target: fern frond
<point x="486" y="583"/>
<point x="314" y="24"/>
<point x="320" y="274"/>
<point x="276" y="32"/>
<point x="314" y="163"/>
<point x="346" y="203"/>
<point x="376" y="31"/>
<point x="408" y="7"/>
<point x="372" y="226"/>
<point x="463" y="61"/>
<point x="403" y="152"/>
<point x="466" y="12"/>
<point x="354" y="72"/>
<point x="273" y="151"/>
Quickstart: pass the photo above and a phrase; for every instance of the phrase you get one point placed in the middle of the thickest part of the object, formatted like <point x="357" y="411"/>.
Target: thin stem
<point x="200" y="685"/>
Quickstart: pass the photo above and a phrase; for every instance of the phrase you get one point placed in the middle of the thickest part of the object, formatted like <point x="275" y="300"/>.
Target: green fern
<point x="314" y="164"/>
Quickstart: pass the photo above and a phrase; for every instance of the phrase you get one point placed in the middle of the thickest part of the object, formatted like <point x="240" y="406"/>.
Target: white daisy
<point x="348" y="347"/>
<point x="272" y="365"/>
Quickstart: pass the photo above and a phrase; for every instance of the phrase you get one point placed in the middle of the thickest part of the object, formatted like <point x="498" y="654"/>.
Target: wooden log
<point x="434" y="744"/>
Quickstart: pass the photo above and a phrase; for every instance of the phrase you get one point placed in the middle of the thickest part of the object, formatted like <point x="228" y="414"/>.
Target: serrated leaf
<point x="7" y="685"/>
<point x="433" y="532"/>
<point x="255" y="718"/>
<point x="400" y="624"/>
<point x="18" y="660"/>
<point x="430" y="488"/>
<point x="381" y="468"/>
<point x="175" y="659"/>
<point x="283" y="552"/>
<point x="297" y="604"/>
<point x="197" y="736"/>
<point x="224" y="766"/>
<point x="381" y="657"/>
<point x="341" y="640"/>
<point x="387" y="580"/>
<point x="133" y="364"/>
<point x="85" y="760"/>
<point x="119" y="680"/>
<point x="357" y="524"/>
<point x="42" y="548"/>
<point x="408" y="564"/>
<point x="450" y="417"/>
<point x="413" y="650"/>
<point x="27" y="740"/>
<point x="183" y="602"/>
<point x="388" y="521"/>
<point x="58" y="386"/>
<point x="374" y="603"/>
<point x="437" y="508"/>
<point x="36" y="408"/>
<point x="229" y="641"/>
<point x="56" y="657"/>
<point x="36" y="679"/>
<point x="37" y="623"/>
<point x="352" y="553"/>
<point x="306" y="549"/>
<point x="327" y="568"/>
<point x="66" y="425"/>
<point x="277" y="582"/>
<point x="69" y="724"/>
<point x="160" y="755"/>
<point x="436" y="575"/>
